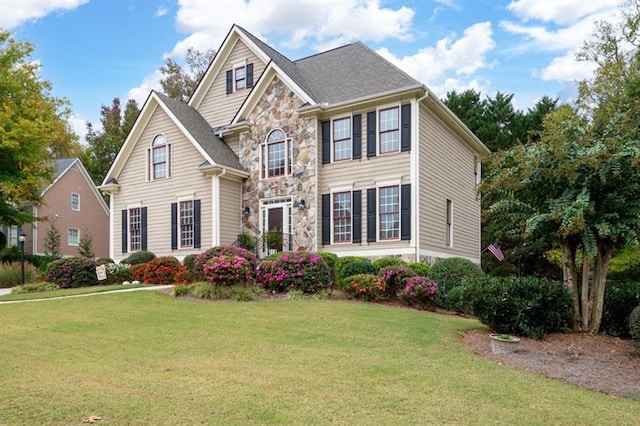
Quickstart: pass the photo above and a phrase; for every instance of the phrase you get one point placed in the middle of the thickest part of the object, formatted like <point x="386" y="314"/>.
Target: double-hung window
<point x="276" y="155"/>
<point x="75" y="201"/>
<point x="73" y="237"/>
<point x="240" y="78"/>
<point x="342" y="217"/>
<point x="135" y="229"/>
<point x="186" y="224"/>
<point x="389" y="219"/>
<point x="159" y="158"/>
<point x="389" y="130"/>
<point x="342" y="139"/>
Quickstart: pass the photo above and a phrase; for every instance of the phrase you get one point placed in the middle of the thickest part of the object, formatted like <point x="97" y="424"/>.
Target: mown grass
<point x="65" y="292"/>
<point x="146" y="358"/>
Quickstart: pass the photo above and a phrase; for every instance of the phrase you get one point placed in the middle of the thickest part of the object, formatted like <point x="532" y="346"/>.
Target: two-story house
<point x="340" y="151"/>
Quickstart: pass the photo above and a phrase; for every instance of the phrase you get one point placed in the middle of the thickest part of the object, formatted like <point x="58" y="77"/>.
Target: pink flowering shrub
<point x="72" y="272"/>
<point x="394" y="277"/>
<point x="367" y="287"/>
<point x="303" y="271"/>
<point x="419" y="292"/>
<point x="225" y="266"/>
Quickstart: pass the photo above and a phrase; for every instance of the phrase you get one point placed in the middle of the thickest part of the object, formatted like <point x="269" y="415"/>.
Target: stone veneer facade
<point x="277" y="110"/>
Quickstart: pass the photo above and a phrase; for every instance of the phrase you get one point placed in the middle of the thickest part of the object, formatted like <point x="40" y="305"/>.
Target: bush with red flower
<point x="161" y="270"/>
<point x="419" y="292"/>
<point x="394" y="277"/>
<point x="369" y="287"/>
<point x="302" y="271"/>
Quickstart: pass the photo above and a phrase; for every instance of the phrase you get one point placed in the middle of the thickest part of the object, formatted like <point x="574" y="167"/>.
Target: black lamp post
<point x="22" y="238"/>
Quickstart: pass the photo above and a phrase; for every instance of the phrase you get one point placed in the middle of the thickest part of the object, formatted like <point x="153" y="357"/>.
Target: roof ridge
<point x="328" y="51"/>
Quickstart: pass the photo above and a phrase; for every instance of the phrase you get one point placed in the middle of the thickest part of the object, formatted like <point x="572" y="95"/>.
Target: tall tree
<point x="33" y="129"/>
<point x="179" y="82"/>
<point x="103" y="146"/>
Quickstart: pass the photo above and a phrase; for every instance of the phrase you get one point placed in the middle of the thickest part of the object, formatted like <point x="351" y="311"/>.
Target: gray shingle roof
<point x="62" y="164"/>
<point x="346" y="73"/>
<point x="202" y="132"/>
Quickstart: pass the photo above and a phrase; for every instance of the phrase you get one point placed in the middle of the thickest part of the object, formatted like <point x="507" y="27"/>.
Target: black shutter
<point x="371" y="214"/>
<point x="371" y="134"/>
<point x="326" y="141"/>
<point x="143" y="228"/>
<point x="249" y="75"/>
<point x="229" y="81"/>
<point x="405" y="212"/>
<point x="124" y="231"/>
<point x="196" y="224"/>
<point x="357" y="137"/>
<point x="174" y="226"/>
<point x="326" y="219"/>
<point x="356" y="216"/>
<point x="405" y="128"/>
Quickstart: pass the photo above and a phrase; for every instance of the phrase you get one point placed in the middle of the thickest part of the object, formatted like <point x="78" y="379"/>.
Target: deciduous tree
<point x="179" y="82"/>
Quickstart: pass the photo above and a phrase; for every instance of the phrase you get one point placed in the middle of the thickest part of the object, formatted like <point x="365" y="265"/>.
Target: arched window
<point x="276" y="155"/>
<point x="159" y="158"/>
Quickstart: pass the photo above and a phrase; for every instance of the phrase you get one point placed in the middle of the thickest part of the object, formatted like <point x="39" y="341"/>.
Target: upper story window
<point x="239" y="77"/>
<point x="159" y="158"/>
<point x="342" y="139"/>
<point x="389" y="213"/>
<point x="389" y="130"/>
<point x="276" y="155"/>
<point x="342" y="217"/>
<point x="75" y="201"/>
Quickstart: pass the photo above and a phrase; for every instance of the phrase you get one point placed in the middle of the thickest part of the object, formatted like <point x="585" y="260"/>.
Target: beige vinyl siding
<point x="185" y="181"/>
<point x="363" y="174"/>
<point x="234" y="143"/>
<point x="230" y="210"/>
<point x="217" y="107"/>
<point x="446" y="170"/>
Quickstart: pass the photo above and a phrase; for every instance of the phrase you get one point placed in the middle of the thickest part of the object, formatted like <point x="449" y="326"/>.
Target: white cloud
<point x="141" y="92"/>
<point x="15" y="12"/>
<point x="561" y="12"/>
<point x="566" y="68"/>
<point x="463" y="57"/>
<point x="161" y="11"/>
<point x="449" y="3"/>
<point x="78" y="125"/>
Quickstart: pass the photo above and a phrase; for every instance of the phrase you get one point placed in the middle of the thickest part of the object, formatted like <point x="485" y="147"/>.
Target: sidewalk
<point x="155" y="287"/>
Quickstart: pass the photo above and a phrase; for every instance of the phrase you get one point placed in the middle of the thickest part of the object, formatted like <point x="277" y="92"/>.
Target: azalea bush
<point x="161" y="270"/>
<point x="419" y="292"/>
<point x="137" y="271"/>
<point x="72" y="272"/>
<point x="225" y="265"/>
<point x="304" y="271"/>
<point x="367" y="287"/>
<point x="394" y="277"/>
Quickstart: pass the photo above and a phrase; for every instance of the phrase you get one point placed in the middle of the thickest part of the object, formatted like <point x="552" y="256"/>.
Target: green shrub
<point x="304" y="271"/>
<point x="619" y="300"/>
<point x="216" y="270"/>
<point x="72" y="272"/>
<point x="11" y="274"/>
<point x="354" y="265"/>
<point x="419" y="268"/>
<point x="385" y="262"/>
<point x="419" y="292"/>
<point x="139" y="257"/>
<point x="189" y="262"/>
<point x="524" y="306"/>
<point x="246" y="241"/>
<point x="332" y="260"/>
<point x="117" y="273"/>
<point x="182" y="290"/>
<point x="634" y="326"/>
<point x="205" y="290"/>
<point x="104" y="260"/>
<point x="35" y="288"/>
<point x="394" y="277"/>
<point x="451" y="272"/>
<point x="367" y="287"/>
<point x="458" y="299"/>
<point x="161" y="270"/>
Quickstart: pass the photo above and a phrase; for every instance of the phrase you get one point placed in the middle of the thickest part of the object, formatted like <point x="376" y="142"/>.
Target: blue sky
<point x="95" y="50"/>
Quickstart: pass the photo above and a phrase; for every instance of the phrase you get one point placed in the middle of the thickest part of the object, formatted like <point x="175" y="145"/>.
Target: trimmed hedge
<point x="138" y="257"/>
<point x="419" y="268"/>
<point x="353" y="265"/>
<point x="619" y="300"/>
<point x="385" y="262"/>
<point x="451" y="272"/>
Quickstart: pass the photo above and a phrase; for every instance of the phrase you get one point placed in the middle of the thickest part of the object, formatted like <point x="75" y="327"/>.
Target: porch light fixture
<point x="22" y="238"/>
<point x="246" y="212"/>
<point x="301" y="205"/>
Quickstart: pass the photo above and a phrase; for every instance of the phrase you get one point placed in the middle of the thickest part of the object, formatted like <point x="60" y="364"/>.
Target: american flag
<point x="494" y="248"/>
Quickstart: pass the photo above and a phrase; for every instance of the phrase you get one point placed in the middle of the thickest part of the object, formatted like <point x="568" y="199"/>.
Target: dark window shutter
<point x="356" y="216"/>
<point x="249" y="75"/>
<point x="174" y="226"/>
<point x="371" y="214"/>
<point x="405" y="212"/>
<point x="405" y="128"/>
<point x="326" y="219"/>
<point x="229" y="81"/>
<point x="196" y="224"/>
<point x="125" y="228"/>
<point x="326" y="141"/>
<point x="356" y="151"/>
<point x="143" y="228"/>
<point x="371" y="134"/>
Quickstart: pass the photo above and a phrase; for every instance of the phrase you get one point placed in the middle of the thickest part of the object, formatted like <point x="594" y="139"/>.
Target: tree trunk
<point x="585" y="301"/>
<point x="570" y="278"/>
<point x="599" y="282"/>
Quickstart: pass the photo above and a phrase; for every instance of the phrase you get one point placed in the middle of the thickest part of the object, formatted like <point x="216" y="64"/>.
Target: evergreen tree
<point x="52" y="240"/>
<point x="85" y="247"/>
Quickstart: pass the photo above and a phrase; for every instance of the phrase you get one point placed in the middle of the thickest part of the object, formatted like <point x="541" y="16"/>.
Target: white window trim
<point x="333" y="150"/>
<point x="339" y="190"/>
<point x="69" y="235"/>
<point x="234" y="67"/>
<point x="382" y="108"/>
<point x="387" y="184"/>
<point x="78" y="195"/>
<point x="264" y="146"/>
<point x="183" y="200"/>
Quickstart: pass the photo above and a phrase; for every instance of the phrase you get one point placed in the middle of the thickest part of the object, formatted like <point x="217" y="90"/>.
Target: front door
<point x="276" y="226"/>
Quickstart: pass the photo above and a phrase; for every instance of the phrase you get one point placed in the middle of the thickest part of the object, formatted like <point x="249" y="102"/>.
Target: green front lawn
<point x="66" y="292"/>
<point x="145" y="358"/>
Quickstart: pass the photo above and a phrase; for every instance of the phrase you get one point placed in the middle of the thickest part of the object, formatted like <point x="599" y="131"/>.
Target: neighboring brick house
<point x="340" y="151"/>
<point x="73" y="203"/>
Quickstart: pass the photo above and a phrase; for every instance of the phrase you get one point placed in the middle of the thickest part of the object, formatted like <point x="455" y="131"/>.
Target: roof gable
<point x="63" y="165"/>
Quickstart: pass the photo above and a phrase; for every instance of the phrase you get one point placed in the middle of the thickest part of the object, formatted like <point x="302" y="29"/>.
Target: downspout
<point x="416" y="186"/>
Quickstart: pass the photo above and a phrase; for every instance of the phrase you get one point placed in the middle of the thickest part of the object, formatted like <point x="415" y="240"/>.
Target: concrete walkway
<point x="124" y="290"/>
